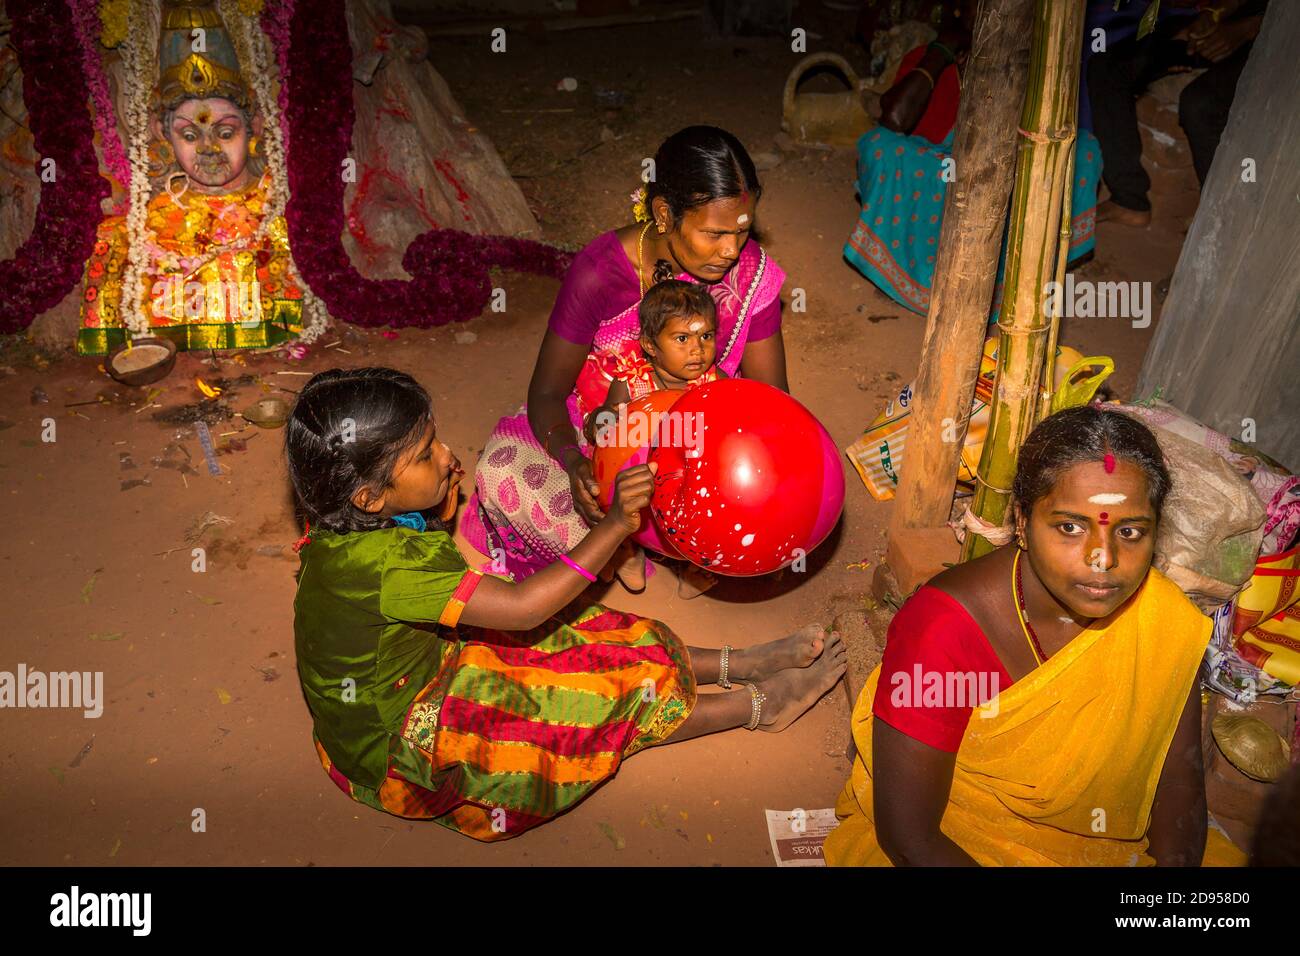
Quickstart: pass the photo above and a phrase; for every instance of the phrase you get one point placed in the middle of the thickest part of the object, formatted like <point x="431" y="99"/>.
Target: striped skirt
<point x="518" y="727"/>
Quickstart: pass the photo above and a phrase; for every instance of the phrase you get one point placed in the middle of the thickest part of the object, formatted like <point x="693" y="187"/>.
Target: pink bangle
<point x="578" y="567"/>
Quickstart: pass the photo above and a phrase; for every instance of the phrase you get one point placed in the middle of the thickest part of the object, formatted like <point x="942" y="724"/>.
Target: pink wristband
<point x="578" y="567"/>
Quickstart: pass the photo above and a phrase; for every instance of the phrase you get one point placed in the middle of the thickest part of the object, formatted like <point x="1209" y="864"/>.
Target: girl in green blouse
<point x="488" y="706"/>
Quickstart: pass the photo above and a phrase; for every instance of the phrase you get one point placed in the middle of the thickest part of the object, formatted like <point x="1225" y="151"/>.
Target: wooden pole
<point x="974" y="213"/>
<point x="1047" y="130"/>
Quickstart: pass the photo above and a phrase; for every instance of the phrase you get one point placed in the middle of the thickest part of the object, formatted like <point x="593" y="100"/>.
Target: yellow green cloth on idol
<point x="1084" y="733"/>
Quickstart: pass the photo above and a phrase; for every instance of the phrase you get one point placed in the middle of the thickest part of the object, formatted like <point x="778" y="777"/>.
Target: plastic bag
<point x="1212" y="524"/>
<point x="878" y="454"/>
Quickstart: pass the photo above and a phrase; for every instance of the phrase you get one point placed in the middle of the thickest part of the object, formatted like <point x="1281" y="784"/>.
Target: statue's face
<point x="210" y="138"/>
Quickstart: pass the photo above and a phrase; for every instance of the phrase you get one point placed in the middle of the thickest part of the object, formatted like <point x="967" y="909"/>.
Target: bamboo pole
<point x="1048" y="130"/>
<point x="970" y="241"/>
<point x="1062" y="259"/>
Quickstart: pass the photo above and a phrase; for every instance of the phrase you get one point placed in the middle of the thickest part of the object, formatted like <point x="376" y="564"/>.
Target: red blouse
<point x="938" y="666"/>
<point x="941" y="112"/>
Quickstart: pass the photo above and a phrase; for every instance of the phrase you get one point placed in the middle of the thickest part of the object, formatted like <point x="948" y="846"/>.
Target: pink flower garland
<point x="85" y="16"/>
<point x="276" y="18"/>
<point x="450" y="268"/>
<point x="48" y="265"/>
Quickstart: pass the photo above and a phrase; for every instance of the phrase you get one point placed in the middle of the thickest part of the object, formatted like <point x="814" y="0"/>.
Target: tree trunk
<point x="1048" y="131"/>
<point x="974" y="214"/>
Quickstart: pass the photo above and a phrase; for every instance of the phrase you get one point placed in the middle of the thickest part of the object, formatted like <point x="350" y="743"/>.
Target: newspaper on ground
<point x="797" y="835"/>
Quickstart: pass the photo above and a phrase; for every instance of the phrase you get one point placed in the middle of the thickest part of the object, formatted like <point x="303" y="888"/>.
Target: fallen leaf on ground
<point x="117" y="845"/>
<point x="81" y="754"/>
<point x="613" y="836"/>
<point x="115" y="636"/>
<point x="58" y="774"/>
<point x="223" y="695"/>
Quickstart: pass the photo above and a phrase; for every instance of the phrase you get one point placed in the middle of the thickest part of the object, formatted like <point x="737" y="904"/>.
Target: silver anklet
<point x="757" y="699"/>
<point x="723" y="667"/>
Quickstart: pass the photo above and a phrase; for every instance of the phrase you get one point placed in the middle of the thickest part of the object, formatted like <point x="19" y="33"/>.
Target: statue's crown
<point x="196" y="59"/>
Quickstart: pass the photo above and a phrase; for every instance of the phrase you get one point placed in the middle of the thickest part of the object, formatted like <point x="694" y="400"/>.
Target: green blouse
<point x="367" y="636"/>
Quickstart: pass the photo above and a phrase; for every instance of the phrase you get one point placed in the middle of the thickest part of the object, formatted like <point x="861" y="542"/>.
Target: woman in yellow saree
<point x="1039" y="705"/>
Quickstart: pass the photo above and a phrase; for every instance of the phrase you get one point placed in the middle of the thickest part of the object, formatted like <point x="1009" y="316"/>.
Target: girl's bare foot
<point x="1111" y="212"/>
<point x="693" y="580"/>
<point x="791" y="692"/>
<point x="631" y="572"/>
<point x="795" y="650"/>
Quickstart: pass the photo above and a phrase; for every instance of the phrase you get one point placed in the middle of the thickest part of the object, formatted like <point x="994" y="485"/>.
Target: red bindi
<point x="1103" y="518"/>
<point x="1109" y="463"/>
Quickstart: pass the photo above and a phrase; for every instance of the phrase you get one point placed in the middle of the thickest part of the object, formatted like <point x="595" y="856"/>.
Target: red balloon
<point x="629" y="443"/>
<point x="761" y="489"/>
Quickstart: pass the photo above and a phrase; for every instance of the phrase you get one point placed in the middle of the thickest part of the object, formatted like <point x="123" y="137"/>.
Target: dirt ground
<point x="202" y="706"/>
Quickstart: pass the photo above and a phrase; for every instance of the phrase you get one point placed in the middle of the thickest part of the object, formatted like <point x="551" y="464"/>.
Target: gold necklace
<point x="640" y="262"/>
<point x="1018" y="594"/>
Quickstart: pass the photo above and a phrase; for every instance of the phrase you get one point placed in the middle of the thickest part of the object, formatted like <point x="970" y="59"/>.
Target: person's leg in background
<point x="1204" y="106"/>
<point x="1115" y="79"/>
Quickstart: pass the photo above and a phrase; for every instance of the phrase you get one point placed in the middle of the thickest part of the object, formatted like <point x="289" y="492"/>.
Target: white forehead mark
<point x="742" y="219"/>
<point x="1108" y="498"/>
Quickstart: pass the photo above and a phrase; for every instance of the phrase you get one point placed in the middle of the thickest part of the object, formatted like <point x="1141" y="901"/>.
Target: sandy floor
<point x="203" y="709"/>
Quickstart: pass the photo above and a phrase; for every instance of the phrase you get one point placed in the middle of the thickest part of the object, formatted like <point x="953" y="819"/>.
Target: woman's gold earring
<point x="253" y="144"/>
<point x="661" y="228"/>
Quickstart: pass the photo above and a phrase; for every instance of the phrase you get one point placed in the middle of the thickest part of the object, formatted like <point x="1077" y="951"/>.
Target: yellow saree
<point x="1063" y="770"/>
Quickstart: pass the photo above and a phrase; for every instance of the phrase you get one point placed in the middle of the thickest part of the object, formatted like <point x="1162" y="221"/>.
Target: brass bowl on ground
<point x="141" y="362"/>
<point x="267" y="413"/>
<point x="1252" y="746"/>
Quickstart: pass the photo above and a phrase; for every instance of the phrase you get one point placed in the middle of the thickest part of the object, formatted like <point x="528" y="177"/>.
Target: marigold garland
<point x="113" y="15"/>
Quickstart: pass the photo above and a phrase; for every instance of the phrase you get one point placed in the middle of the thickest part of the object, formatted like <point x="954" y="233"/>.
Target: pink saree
<point x="521" y="513"/>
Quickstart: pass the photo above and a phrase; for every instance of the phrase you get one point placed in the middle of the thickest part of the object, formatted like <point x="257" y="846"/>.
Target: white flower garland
<point x="139" y="49"/>
<point x="254" y="52"/>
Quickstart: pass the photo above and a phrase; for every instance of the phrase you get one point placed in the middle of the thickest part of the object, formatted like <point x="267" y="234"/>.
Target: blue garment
<point x="901" y="187"/>
<point x="411" y="519"/>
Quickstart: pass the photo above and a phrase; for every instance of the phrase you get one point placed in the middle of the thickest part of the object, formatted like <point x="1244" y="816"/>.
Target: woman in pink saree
<point x="535" y="495"/>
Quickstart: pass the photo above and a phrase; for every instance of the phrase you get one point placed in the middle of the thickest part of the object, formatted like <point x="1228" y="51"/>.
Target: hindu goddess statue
<point x="211" y="258"/>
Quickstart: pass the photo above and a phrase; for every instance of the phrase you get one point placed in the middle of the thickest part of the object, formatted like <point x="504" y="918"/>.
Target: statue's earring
<point x="253" y="144"/>
<point x="662" y="227"/>
<point x="162" y="153"/>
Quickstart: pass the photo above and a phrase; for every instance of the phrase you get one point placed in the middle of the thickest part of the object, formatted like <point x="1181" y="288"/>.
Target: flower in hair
<point x="639" y="210"/>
